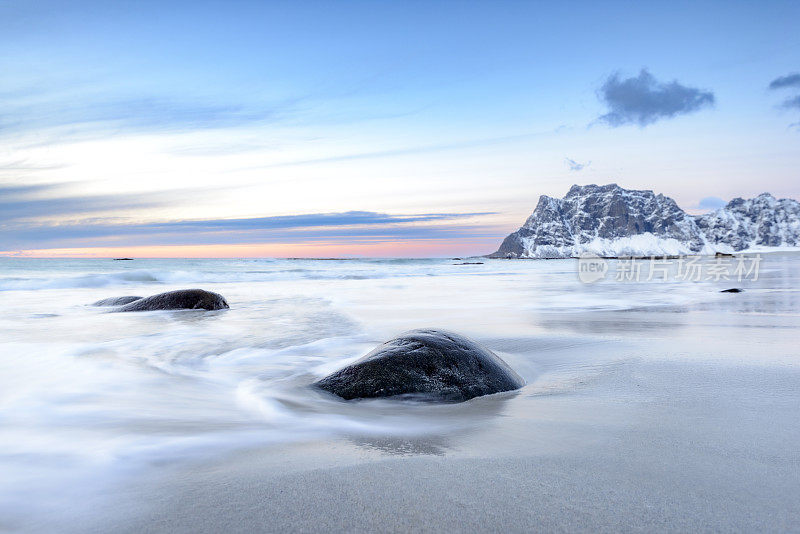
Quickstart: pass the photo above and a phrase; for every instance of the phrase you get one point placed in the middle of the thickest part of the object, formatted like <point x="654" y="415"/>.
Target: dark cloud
<point x="575" y="166"/>
<point x="792" y="103"/>
<point x="352" y="226"/>
<point x="790" y="80"/>
<point x="644" y="100"/>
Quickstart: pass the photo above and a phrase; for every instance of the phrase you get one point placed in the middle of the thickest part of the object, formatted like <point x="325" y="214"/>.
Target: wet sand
<point x="671" y="417"/>
<point x="691" y="442"/>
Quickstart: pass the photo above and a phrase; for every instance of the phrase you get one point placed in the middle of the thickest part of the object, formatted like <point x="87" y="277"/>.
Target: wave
<point x="129" y="278"/>
<point x="82" y="281"/>
<point x="210" y="272"/>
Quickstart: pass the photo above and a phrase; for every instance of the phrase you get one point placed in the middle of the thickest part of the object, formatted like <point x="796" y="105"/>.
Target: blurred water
<point x="87" y="395"/>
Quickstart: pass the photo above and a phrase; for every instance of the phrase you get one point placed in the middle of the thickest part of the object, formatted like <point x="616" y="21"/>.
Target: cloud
<point x="29" y="202"/>
<point x="85" y="114"/>
<point x="352" y="226"/>
<point x="406" y="151"/>
<point x="49" y="216"/>
<point x="644" y="100"/>
<point x="281" y="222"/>
<point x="24" y="165"/>
<point x="793" y="102"/>
<point x="575" y="166"/>
<point x="790" y="80"/>
<point x="711" y="203"/>
<point x="17" y="191"/>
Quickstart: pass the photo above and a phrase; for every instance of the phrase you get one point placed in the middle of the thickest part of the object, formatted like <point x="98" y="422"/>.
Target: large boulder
<point x="427" y="364"/>
<point x="183" y="299"/>
<point x="116" y="301"/>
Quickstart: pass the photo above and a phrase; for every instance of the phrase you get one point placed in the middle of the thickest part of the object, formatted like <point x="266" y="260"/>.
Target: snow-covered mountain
<point x="758" y="222"/>
<point x="610" y="221"/>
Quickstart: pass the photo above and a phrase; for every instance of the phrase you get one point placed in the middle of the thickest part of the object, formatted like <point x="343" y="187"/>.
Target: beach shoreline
<point x="647" y="406"/>
<point x="598" y="459"/>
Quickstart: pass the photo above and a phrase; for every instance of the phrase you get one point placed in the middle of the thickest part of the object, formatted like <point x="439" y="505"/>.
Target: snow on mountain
<point x="608" y="221"/>
<point x="763" y="221"/>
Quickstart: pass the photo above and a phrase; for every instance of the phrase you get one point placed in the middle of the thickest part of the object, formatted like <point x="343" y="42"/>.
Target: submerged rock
<point x="430" y="364"/>
<point x="116" y="301"/>
<point x="732" y="290"/>
<point x="182" y="299"/>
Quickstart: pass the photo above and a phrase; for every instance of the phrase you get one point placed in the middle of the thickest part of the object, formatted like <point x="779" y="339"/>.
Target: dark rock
<point x="183" y="299"/>
<point x="470" y="263"/>
<point x="732" y="290"/>
<point x="123" y="259"/>
<point x="723" y="255"/>
<point x="116" y="301"/>
<point x="425" y="364"/>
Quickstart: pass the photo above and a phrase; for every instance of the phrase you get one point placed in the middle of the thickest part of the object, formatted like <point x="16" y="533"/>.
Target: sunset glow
<point x="414" y="249"/>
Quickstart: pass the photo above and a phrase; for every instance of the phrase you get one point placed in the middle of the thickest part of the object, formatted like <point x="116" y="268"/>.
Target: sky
<point x="322" y="129"/>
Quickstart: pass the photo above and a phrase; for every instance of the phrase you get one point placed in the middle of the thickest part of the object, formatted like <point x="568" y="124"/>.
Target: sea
<point x="91" y="398"/>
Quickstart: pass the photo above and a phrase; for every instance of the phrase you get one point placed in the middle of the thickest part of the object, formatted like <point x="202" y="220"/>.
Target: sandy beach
<point x="399" y="267"/>
<point x="676" y="414"/>
<point x="643" y="447"/>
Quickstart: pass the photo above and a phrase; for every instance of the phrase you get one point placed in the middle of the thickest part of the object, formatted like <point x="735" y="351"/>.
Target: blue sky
<point x="144" y="125"/>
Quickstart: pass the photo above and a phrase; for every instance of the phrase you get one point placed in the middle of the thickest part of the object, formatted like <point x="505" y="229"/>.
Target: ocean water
<point x="89" y="398"/>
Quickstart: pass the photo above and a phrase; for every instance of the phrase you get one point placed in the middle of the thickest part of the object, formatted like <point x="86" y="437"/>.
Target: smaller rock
<point x="732" y="290"/>
<point x="182" y="299"/>
<point x="116" y="301"/>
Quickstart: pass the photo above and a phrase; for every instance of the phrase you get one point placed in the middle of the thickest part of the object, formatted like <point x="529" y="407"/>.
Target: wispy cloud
<point x="25" y="165"/>
<point x="575" y="166"/>
<point x="85" y="110"/>
<point x="51" y="216"/>
<point x="30" y="202"/>
<point x="411" y="150"/>
<point x="351" y="226"/>
<point x="11" y="192"/>
<point x="85" y="115"/>
<point x="644" y="100"/>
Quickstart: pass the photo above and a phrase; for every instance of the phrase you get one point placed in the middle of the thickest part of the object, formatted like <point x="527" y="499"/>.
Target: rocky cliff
<point x="608" y="220"/>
